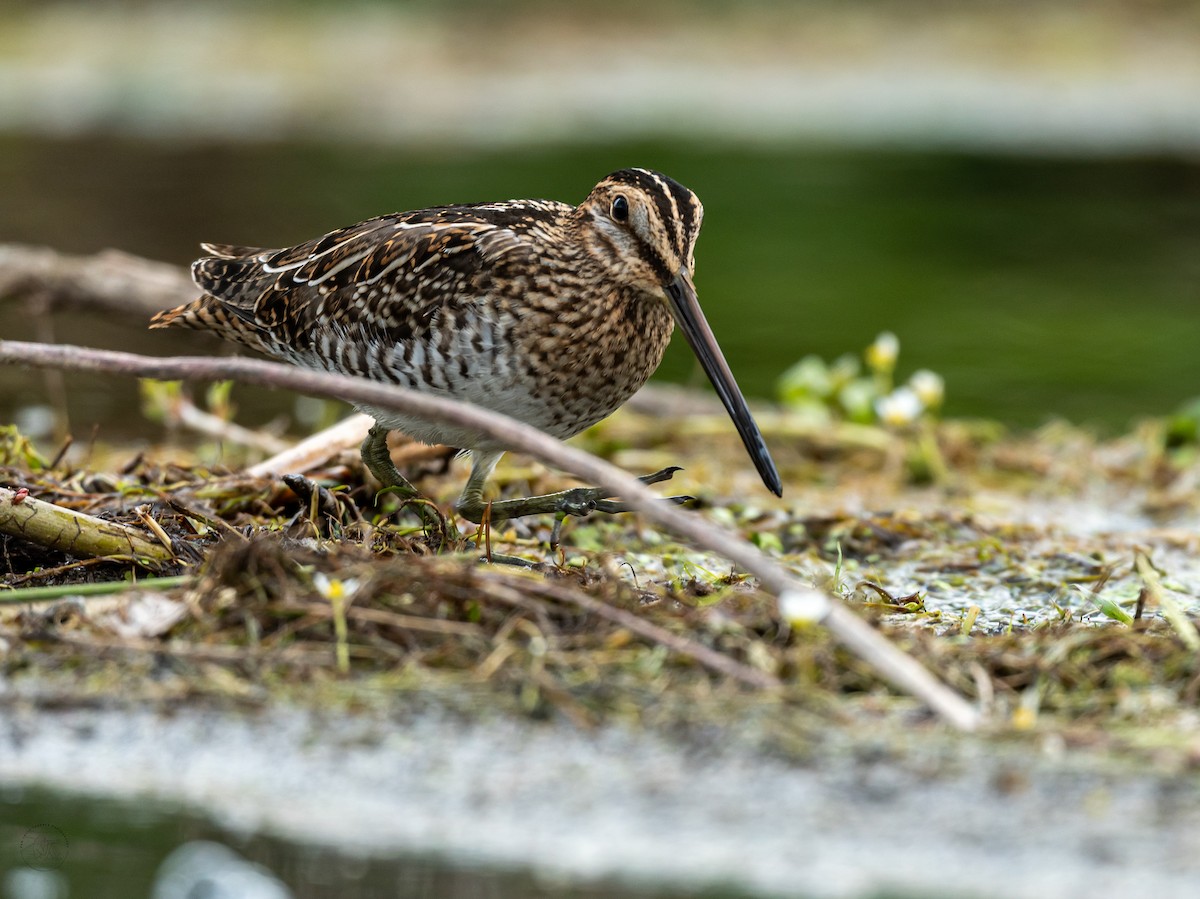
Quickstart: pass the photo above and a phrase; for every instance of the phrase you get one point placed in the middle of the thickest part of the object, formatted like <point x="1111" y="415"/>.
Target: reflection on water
<point x="116" y="850"/>
<point x="1038" y="287"/>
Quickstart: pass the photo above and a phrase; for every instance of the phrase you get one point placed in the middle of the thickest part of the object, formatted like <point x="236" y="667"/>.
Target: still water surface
<point x="113" y="850"/>
<point x="1037" y="287"/>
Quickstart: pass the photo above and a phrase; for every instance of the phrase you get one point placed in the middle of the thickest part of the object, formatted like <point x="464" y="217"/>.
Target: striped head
<point x="642" y="227"/>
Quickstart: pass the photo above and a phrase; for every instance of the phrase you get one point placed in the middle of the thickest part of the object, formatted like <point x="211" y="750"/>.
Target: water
<point x="1038" y="287"/>
<point x="114" y="850"/>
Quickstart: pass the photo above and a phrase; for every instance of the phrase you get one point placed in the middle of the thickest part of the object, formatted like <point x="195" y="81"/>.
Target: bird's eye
<point x="620" y="209"/>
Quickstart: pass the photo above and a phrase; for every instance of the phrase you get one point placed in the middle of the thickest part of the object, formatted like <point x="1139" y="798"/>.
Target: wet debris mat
<point x="1051" y="577"/>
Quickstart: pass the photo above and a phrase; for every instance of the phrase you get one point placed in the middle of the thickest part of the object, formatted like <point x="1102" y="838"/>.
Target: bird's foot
<point x="581" y="501"/>
<point x="585" y="500"/>
<point x="576" y="501"/>
<point x="378" y="459"/>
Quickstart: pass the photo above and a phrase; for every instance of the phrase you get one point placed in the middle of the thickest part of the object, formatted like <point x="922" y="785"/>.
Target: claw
<point x="663" y="474"/>
<point x="501" y="559"/>
<point x="612" y="506"/>
<point x="313" y="496"/>
<point x="556" y="531"/>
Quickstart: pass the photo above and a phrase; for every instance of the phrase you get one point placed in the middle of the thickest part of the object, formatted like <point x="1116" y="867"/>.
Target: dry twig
<point x="698" y="652"/>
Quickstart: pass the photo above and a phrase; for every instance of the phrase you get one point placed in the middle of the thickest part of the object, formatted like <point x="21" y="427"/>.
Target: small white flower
<point x="882" y="354"/>
<point x="803" y="606"/>
<point x="333" y="588"/>
<point x="900" y="407"/>
<point x="929" y="386"/>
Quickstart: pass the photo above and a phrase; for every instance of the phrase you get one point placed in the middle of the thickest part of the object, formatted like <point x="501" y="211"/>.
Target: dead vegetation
<point x="338" y="598"/>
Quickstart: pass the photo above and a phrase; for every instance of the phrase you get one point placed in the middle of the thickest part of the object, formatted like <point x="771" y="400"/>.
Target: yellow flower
<point x="338" y="591"/>
<point x="334" y="588"/>
<point x="882" y="354"/>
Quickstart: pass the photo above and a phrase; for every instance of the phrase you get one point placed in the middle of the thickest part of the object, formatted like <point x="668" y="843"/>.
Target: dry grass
<point x="353" y="606"/>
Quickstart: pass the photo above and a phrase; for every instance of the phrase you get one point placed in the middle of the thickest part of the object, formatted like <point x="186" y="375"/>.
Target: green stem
<point x="340" y="631"/>
<point x="41" y="594"/>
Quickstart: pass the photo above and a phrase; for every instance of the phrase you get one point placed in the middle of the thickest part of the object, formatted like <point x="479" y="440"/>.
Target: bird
<point x="550" y="313"/>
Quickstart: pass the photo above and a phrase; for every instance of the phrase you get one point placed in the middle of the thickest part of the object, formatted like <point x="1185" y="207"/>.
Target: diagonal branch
<point x="858" y="636"/>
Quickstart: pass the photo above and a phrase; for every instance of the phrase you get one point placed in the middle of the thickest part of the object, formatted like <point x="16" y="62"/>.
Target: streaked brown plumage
<point x="550" y="313"/>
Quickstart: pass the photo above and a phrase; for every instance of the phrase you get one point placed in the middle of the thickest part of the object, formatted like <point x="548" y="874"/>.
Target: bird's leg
<point x="378" y="459"/>
<point x="576" y="501"/>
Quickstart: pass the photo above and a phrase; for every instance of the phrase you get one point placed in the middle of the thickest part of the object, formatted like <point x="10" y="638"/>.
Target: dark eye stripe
<point x="675" y="205"/>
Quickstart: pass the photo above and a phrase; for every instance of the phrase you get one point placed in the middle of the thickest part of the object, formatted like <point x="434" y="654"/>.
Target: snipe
<point x="550" y="313"/>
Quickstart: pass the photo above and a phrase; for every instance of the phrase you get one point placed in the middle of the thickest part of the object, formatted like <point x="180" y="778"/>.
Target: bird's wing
<point x="387" y="273"/>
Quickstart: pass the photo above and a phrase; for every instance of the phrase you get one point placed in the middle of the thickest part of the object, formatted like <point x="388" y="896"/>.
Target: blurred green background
<point x="1013" y="190"/>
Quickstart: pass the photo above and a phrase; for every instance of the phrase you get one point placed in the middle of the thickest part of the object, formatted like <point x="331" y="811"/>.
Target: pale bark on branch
<point x="66" y="530"/>
<point x="858" y="636"/>
<point x="109" y="281"/>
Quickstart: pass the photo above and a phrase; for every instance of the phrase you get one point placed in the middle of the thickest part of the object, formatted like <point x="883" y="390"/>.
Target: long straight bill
<point x="686" y="309"/>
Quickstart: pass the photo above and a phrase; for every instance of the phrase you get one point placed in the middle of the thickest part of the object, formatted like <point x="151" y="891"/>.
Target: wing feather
<point x="390" y="275"/>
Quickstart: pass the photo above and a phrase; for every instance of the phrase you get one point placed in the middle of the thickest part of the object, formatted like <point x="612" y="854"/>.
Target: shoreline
<point x="613" y="803"/>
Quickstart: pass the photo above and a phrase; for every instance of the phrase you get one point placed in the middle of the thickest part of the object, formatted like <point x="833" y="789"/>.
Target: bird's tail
<point x="189" y="315"/>
<point x="210" y="314"/>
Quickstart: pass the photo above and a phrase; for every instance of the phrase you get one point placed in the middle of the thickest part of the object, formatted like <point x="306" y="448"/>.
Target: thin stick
<point x="391" y="619"/>
<point x="709" y="658"/>
<point x="43" y="574"/>
<point x="186" y="413"/>
<point x="314" y="450"/>
<point x="893" y="664"/>
<point x="60" y="591"/>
